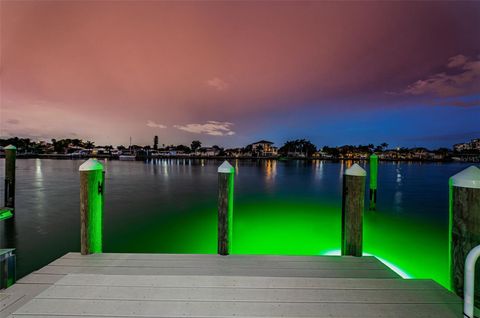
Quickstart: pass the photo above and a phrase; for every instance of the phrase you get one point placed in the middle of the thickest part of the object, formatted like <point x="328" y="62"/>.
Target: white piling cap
<point x="355" y="170"/>
<point x="468" y="178"/>
<point x="225" y="167"/>
<point x="90" y="165"/>
<point x="10" y="147"/>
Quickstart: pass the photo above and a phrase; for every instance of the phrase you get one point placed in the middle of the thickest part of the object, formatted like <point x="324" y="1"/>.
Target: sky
<point x="231" y="73"/>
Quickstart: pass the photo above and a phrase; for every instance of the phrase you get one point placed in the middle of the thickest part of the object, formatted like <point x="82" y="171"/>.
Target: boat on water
<point x="127" y="156"/>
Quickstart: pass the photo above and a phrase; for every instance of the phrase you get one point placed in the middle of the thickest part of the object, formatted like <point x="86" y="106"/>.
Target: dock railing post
<point x="353" y="198"/>
<point x="10" y="158"/>
<point x="225" y="207"/>
<point x="92" y="183"/>
<point x="464" y="192"/>
<point x="373" y="181"/>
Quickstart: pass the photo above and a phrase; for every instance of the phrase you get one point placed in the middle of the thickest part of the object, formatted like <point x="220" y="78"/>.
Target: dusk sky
<point x="230" y="73"/>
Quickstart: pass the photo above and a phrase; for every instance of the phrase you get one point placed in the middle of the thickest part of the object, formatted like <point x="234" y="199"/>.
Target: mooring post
<point x="353" y="198"/>
<point x="91" y="206"/>
<point x="10" y="158"/>
<point x="225" y="207"/>
<point x="464" y="225"/>
<point x="373" y="181"/>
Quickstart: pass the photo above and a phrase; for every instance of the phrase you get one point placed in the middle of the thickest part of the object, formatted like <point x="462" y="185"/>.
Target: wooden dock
<point x="174" y="285"/>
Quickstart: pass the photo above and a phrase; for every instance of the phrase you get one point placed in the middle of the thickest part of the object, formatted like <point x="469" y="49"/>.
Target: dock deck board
<point x="169" y="285"/>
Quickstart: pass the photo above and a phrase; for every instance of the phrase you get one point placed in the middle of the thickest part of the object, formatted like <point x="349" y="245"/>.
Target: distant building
<point x="321" y="155"/>
<point x="208" y="151"/>
<point x="264" y="148"/>
<point x="474" y="144"/>
<point x="235" y="152"/>
<point x="462" y="147"/>
<point x="155" y="143"/>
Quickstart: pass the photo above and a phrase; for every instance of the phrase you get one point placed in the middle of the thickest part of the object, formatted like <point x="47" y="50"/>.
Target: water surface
<point x="291" y="208"/>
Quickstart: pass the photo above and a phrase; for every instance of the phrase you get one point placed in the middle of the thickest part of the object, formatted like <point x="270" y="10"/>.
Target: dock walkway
<point x="174" y="285"/>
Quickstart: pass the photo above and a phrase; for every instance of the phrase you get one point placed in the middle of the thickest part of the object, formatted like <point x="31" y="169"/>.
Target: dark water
<point x="280" y="208"/>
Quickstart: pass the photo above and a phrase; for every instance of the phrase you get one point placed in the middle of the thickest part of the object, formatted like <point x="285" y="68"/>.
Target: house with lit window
<point x="264" y="148"/>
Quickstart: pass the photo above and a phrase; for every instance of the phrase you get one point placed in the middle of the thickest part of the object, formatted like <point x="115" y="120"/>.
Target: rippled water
<point x="280" y="207"/>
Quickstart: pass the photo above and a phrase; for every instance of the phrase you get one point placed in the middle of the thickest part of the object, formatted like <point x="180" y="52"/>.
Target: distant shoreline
<point x="110" y="157"/>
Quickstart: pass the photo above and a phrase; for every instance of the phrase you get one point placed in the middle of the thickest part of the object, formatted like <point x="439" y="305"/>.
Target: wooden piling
<point x="352" y="210"/>
<point x="9" y="191"/>
<point x="91" y="206"/>
<point x="225" y="207"/>
<point x="373" y="181"/>
<point x="464" y="226"/>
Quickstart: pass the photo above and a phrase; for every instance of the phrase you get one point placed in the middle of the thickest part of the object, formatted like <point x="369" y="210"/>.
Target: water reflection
<point x="39" y="195"/>
<point x="270" y="171"/>
<point x="318" y="169"/>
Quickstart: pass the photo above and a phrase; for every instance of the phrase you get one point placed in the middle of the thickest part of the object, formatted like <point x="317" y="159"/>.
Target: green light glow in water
<point x="301" y="227"/>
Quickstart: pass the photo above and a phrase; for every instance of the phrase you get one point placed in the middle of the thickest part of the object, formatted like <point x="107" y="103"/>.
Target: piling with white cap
<point x="225" y="207"/>
<point x="9" y="190"/>
<point x="464" y="226"/>
<point x="92" y="183"/>
<point x="353" y="198"/>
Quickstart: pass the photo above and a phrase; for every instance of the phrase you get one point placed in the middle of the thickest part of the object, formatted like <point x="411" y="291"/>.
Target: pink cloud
<point x="212" y="128"/>
<point x="457" y="60"/>
<point x="464" y="80"/>
<point x="152" y="124"/>
<point x="217" y="83"/>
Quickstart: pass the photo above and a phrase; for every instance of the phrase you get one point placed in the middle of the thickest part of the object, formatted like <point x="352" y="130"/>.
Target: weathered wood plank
<point x="245" y="282"/>
<point x="334" y="273"/>
<point x="190" y="294"/>
<point x="35" y="278"/>
<point x="255" y="257"/>
<point x="152" y="286"/>
<point x="215" y="264"/>
<point x="230" y="309"/>
<point x="19" y="295"/>
<point x="7" y="299"/>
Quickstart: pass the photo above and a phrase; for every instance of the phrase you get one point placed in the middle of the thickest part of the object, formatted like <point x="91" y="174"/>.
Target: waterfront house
<point x="264" y="148"/>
